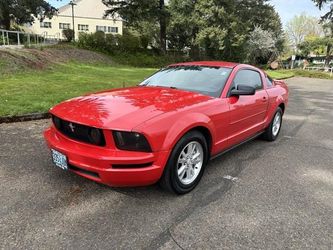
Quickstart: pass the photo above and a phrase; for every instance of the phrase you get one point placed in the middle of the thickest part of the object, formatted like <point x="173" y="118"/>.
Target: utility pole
<point x="73" y="4"/>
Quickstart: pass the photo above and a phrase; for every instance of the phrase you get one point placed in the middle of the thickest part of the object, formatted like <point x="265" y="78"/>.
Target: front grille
<point x="77" y="131"/>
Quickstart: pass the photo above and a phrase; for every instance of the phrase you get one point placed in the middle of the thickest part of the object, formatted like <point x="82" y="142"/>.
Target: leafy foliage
<point x="68" y="34"/>
<point x="302" y="27"/>
<point x="21" y="11"/>
<point x="126" y="49"/>
<point x="212" y="29"/>
<point x="110" y="43"/>
<point x="321" y="4"/>
<point x="220" y="29"/>
<point x="134" y="12"/>
<point x="314" y="45"/>
<point x="261" y="45"/>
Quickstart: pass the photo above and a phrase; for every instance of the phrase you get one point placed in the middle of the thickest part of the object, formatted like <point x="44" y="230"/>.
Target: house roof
<point x="86" y="9"/>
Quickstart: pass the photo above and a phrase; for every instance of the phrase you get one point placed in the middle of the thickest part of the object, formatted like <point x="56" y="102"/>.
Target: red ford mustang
<point x="167" y="128"/>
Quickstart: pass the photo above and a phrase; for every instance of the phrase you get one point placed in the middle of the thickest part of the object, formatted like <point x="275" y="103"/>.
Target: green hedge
<point x="127" y="49"/>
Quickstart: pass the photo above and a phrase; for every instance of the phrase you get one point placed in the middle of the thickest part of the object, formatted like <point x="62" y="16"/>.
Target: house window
<point x="101" y="28"/>
<point x="64" y="26"/>
<point x="113" y="29"/>
<point x="107" y="29"/>
<point x="83" y="27"/>
<point x="46" y="25"/>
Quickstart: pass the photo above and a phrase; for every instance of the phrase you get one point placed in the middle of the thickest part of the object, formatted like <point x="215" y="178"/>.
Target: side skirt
<point x="237" y="145"/>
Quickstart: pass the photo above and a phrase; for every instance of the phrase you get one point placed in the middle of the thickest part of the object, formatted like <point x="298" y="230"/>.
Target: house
<point x="88" y="17"/>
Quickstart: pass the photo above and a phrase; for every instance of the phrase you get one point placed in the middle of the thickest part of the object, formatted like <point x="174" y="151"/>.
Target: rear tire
<point x="186" y="164"/>
<point x="274" y="128"/>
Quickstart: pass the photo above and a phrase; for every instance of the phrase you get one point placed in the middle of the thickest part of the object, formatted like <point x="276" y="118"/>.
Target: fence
<point x="19" y="38"/>
<point x="325" y="69"/>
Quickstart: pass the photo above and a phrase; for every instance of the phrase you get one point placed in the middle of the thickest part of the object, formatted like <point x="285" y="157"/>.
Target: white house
<point x="88" y="17"/>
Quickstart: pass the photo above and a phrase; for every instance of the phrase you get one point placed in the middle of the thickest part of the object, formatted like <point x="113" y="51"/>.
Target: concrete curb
<point x="23" y="118"/>
<point x="285" y="78"/>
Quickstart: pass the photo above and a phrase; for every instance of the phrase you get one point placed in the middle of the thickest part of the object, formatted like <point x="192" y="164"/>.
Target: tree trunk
<point x="328" y="55"/>
<point x="163" y="27"/>
<point x="6" y="23"/>
<point x="5" y="16"/>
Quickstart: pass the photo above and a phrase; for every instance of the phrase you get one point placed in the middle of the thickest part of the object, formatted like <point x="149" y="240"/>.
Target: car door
<point x="247" y="112"/>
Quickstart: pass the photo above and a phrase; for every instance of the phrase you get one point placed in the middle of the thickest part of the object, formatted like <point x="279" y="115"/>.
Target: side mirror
<point x="243" y="90"/>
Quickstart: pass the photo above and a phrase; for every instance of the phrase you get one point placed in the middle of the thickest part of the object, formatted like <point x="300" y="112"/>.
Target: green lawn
<point x="283" y="74"/>
<point x="280" y="74"/>
<point x="37" y="91"/>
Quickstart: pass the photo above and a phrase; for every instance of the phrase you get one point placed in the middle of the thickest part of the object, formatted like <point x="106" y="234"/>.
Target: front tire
<point x="274" y="128"/>
<point x="186" y="164"/>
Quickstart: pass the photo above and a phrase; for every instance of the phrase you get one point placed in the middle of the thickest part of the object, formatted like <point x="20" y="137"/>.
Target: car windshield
<point x="205" y="80"/>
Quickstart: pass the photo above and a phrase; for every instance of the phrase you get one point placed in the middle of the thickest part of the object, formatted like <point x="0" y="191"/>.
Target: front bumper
<point x="112" y="167"/>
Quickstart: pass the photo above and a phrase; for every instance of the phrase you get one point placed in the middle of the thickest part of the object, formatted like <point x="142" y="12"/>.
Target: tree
<point x="312" y="45"/>
<point x="301" y="27"/>
<point x="183" y="26"/>
<point x="134" y="12"/>
<point x="22" y="11"/>
<point x="215" y="28"/>
<point x="221" y="28"/>
<point x="328" y="27"/>
<point x="68" y="34"/>
<point x="261" y="45"/>
<point x="320" y="4"/>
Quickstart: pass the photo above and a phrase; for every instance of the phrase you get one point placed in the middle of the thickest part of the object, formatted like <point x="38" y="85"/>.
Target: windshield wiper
<point x="160" y="86"/>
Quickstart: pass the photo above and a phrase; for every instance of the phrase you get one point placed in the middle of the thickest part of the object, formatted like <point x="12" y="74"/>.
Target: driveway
<point x="280" y="196"/>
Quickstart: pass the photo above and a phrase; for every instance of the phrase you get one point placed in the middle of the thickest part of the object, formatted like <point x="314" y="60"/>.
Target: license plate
<point x="59" y="159"/>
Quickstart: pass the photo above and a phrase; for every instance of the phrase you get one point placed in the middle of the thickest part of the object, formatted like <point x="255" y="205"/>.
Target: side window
<point x="249" y="78"/>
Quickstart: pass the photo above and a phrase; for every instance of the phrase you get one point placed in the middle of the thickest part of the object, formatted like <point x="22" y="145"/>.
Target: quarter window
<point x="269" y="81"/>
<point x="248" y="77"/>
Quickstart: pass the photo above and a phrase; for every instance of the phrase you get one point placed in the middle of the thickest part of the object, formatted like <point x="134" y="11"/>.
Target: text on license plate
<point x="59" y="159"/>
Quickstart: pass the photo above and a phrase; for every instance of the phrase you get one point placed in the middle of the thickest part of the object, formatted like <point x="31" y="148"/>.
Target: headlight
<point x="95" y="136"/>
<point x="131" y="141"/>
<point x="56" y="121"/>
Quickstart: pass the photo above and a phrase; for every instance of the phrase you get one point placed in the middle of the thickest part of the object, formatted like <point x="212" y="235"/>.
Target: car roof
<point x="207" y="63"/>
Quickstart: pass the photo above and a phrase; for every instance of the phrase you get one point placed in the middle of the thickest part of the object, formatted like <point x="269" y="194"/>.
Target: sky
<point x="286" y="8"/>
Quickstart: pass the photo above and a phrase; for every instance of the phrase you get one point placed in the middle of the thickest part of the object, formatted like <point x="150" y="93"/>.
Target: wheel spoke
<point x="189" y="149"/>
<point x="196" y="156"/>
<point x="188" y="173"/>
<point x="182" y="161"/>
<point x="181" y="170"/>
<point x="194" y="147"/>
<point x="183" y="154"/>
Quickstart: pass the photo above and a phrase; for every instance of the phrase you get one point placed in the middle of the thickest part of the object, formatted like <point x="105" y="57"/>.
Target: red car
<point x="167" y="128"/>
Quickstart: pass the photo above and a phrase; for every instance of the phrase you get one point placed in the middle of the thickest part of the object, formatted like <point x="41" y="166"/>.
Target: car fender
<point x="274" y="104"/>
<point x="187" y="123"/>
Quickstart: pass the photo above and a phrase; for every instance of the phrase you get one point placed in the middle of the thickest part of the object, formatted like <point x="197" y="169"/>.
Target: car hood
<point x="125" y="108"/>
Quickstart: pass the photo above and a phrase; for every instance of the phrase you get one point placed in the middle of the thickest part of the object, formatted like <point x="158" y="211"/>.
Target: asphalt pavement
<point x="261" y="195"/>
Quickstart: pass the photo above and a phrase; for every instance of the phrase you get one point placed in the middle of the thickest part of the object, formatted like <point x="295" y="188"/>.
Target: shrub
<point x="109" y="43"/>
<point x="147" y="59"/>
<point x="68" y="34"/>
<point x="126" y="49"/>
